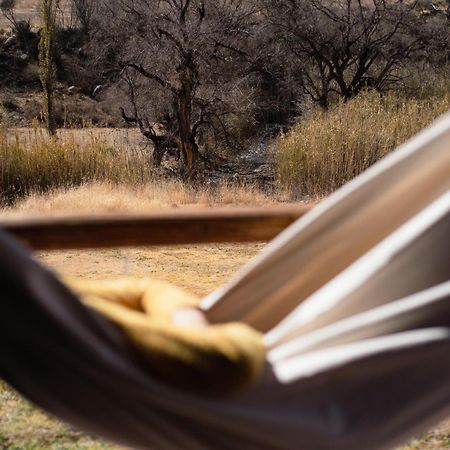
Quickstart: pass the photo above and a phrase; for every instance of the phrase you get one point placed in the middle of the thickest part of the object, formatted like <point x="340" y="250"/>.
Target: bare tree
<point x="83" y="10"/>
<point x="8" y="8"/>
<point x="344" y="46"/>
<point x="179" y="60"/>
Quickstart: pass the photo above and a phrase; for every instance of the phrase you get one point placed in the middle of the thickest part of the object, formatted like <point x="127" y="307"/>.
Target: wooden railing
<point x="216" y="225"/>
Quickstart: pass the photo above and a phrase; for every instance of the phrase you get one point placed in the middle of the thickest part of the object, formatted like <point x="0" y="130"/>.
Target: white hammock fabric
<point x="354" y="301"/>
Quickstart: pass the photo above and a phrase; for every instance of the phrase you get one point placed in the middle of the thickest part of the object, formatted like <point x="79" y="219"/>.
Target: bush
<point x="328" y="149"/>
<point x="48" y="163"/>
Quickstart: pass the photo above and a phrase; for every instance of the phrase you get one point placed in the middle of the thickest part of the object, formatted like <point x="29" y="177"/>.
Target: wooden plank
<point x="160" y="228"/>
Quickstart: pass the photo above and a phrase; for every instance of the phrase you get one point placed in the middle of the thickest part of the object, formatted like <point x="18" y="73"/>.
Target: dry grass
<point x="91" y="170"/>
<point x="45" y="164"/>
<point x="330" y="148"/>
<point x="438" y="439"/>
<point x="127" y="139"/>
<point x="108" y="197"/>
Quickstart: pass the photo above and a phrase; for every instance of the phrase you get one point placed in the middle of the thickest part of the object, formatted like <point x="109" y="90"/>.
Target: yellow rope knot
<point x="216" y="359"/>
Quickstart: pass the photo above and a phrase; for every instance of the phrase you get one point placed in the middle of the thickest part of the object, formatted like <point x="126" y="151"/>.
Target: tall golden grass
<point x="108" y="197"/>
<point x="44" y="163"/>
<point x="329" y="148"/>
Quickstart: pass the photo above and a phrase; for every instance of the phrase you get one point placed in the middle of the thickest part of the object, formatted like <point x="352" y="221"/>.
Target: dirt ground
<point x="198" y="269"/>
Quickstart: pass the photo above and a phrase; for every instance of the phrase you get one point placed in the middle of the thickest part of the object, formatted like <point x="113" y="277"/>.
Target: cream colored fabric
<point x="336" y="233"/>
<point x="353" y="299"/>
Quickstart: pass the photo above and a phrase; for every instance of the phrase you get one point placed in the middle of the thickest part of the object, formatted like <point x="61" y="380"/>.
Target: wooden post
<point x="160" y="228"/>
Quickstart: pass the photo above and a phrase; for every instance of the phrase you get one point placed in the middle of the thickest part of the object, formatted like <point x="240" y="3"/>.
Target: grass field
<point x="330" y="148"/>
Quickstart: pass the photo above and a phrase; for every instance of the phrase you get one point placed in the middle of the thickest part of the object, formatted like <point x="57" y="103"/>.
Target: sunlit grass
<point x="329" y="148"/>
<point x="44" y="164"/>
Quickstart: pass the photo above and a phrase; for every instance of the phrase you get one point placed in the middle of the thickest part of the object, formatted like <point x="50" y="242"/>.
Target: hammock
<point x="353" y="301"/>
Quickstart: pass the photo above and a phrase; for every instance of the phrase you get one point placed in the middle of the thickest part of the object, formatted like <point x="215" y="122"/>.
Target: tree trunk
<point x="161" y="146"/>
<point x="183" y="106"/>
<point x="187" y="145"/>
<point x="46" y="59"/>
<point x="158" y="154"/>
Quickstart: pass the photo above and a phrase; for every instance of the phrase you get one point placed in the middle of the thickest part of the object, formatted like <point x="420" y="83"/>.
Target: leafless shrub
<point x="179" y="62"/>
<point x="21" y="28"/>
<point x="343" y="47"/>
<point x="8" y="8"/>
<point x="83" y="11"/>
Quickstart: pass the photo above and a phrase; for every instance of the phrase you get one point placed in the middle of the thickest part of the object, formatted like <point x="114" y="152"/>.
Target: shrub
<point x="328" y="149"/>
